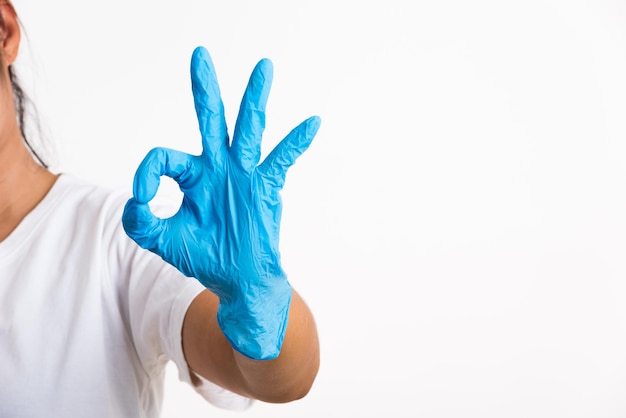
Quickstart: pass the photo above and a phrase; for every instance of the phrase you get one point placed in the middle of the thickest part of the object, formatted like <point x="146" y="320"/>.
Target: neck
<point x="23" y="184"/>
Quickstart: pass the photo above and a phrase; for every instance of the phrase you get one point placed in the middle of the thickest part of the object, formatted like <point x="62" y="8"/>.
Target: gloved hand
<point x="226" y="232"/>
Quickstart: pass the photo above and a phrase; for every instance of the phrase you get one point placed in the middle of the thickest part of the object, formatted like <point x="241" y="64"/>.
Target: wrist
<point x="254" y="319"/>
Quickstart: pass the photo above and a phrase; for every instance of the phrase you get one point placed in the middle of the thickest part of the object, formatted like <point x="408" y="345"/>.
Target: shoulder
<point x="70" y="190"/>
<point x="88" y="212"/>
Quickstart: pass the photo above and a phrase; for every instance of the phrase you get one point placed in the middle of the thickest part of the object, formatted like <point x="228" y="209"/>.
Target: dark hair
<point x="22" y="102"/>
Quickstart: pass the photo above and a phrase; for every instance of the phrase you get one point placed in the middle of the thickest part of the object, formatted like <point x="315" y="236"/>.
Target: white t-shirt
<point x="88" y="320"/>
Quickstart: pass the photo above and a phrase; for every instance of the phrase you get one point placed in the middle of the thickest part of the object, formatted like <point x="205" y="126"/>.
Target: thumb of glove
<point x="142" y="225"/>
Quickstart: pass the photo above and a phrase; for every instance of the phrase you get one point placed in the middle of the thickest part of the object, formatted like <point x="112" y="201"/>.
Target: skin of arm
<point x="286" y="378"/>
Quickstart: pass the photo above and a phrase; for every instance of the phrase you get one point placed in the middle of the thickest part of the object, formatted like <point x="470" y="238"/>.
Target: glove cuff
<point x="255" y="322"/>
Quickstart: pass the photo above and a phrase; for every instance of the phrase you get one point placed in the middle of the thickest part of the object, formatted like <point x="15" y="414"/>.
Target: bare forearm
<point x="285" y="378"/>
<point x="291" y="375"/>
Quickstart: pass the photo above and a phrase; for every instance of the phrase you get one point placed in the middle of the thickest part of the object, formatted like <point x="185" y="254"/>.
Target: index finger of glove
<point x="162" y="162"/>
<point x="208" y="104"/>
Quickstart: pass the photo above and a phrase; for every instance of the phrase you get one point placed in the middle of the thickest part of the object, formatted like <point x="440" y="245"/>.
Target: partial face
<point x="9" y="45"/>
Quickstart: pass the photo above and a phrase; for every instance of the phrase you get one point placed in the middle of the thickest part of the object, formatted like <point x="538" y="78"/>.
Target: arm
<point x="250" y="332"/>
<point x="286" y="378"/>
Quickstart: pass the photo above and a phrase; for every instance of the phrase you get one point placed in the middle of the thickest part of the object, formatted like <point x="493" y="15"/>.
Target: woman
<point x="89" y="318"/>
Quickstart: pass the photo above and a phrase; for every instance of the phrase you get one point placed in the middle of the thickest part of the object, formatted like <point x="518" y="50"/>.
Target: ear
<point x="9" y="33"/>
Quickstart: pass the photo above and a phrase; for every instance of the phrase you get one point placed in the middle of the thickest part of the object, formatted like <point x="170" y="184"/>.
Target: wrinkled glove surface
<point x="226" y="232"/>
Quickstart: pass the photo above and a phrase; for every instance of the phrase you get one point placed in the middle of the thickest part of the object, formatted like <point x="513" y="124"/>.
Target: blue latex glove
<point x="226" y="232"/>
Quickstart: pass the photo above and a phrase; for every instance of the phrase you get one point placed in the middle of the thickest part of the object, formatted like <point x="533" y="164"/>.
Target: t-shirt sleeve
<point x="213" y="393"/>
<point x="156" y="297"/>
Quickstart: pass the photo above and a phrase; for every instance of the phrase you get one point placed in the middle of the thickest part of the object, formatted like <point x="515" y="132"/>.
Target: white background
<point x="458" y="225"/>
